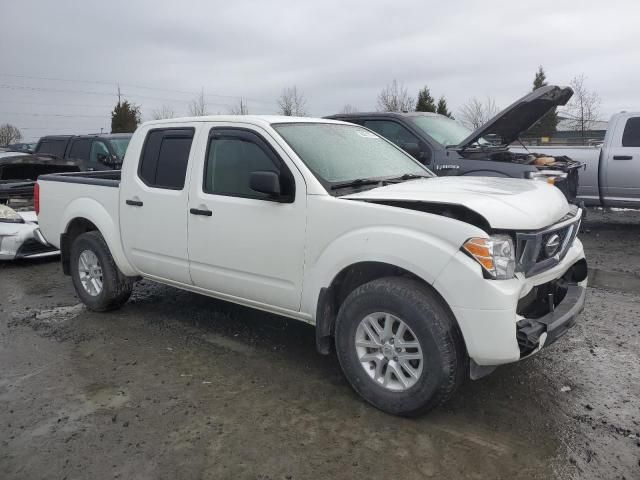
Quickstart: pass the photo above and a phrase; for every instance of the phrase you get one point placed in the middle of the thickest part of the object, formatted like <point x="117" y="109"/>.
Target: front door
<point x="242" y="243"/>
<point x="154" y="205"/>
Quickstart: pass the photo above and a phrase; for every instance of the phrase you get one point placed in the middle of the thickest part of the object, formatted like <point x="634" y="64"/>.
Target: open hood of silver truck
<point x="520" y="115"/>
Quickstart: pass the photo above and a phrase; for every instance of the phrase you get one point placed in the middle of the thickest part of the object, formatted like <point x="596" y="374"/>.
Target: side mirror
<point x="423" y="155"/>
<point x="265" y="182"/>
<point x="102" y="158"/>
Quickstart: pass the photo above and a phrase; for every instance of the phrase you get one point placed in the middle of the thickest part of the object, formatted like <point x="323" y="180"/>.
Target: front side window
<point x="164" y="159"/>
<point x="631" y="134"/>
<point x="231" y="157"/>
<point x="392" y="131"/>
<point x="338" y="153"/>
<point x="99" y="154"/>
<point x="119" y="146"/>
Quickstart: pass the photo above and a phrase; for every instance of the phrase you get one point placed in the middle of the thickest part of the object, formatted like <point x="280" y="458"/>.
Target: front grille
<point x="33" y="247"/>
<point x="533" y="248"/>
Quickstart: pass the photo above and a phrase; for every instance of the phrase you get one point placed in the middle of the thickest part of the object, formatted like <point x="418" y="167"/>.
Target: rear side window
<point x="164" y="159"/>
<point x="53" y="147"/>
<point x="631" y="135"/>
<point x="80" y="149"/>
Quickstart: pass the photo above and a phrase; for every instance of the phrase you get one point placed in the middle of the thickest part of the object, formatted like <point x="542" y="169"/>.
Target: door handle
<point x="199" y="211"/>
<point x="623" y="157"/>
<point x="134" y="203"/>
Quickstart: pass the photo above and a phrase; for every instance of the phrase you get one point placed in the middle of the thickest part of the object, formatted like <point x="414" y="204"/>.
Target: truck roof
<point x="262" y="120"/>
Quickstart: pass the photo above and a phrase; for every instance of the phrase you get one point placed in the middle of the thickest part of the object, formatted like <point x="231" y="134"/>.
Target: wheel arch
<point x="346" y="281"/>
<point x="85" y="215"/>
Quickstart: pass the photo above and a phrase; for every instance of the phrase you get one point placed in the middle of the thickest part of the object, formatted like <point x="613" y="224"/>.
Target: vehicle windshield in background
<point x="444" y="130"/>
<point x="120" y="146"/>
<point x="342" y="153"/>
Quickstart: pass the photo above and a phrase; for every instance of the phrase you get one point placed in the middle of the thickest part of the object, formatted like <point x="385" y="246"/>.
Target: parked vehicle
<point x="90" y="152"/>
<point x="611" y="177"/>
<point x="21" y="147"/>
<point x="419" y="281"/>
<point x="449" y="148"/>
<point x="19" y="233"/>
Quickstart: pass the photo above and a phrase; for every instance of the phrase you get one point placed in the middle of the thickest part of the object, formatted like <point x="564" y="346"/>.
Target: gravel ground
<point x="175" y="385"/>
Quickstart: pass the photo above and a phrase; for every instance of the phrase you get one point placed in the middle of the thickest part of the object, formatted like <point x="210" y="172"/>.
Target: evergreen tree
<point x="125" y="117"/>
<point x="426" y="103"/>
<point x="442" y="108"/>
<point x="546" y="126"/>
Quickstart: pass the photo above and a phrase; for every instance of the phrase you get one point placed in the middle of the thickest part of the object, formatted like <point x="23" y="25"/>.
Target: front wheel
<point x="399" y="347"/>
<point x="97" y="280"/>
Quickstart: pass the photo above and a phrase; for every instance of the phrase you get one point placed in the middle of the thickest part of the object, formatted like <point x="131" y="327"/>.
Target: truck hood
<point x="520" y="115"/>
<point x="506" y="204"/>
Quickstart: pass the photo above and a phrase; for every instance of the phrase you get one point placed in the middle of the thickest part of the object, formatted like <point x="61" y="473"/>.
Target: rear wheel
<point x="97" y="280"/>
<point x="399" y="347"/>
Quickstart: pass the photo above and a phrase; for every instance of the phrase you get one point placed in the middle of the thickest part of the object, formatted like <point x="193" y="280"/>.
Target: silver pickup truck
<point x="611" y="176"/>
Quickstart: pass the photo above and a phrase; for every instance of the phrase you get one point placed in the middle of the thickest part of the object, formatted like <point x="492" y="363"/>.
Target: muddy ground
<point x="175" y="385"/>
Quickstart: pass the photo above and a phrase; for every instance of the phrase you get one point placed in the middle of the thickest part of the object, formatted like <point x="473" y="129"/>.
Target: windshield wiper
<point x="406" y="176"/>
<point x="356" y="183"/>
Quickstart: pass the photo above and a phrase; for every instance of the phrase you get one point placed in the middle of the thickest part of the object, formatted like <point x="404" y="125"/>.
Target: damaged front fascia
<point x="457" y="212"/>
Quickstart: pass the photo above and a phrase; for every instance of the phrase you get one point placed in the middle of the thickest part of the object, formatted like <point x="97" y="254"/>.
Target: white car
<point x="419" y="281"/>
<point x="20" y="235"/>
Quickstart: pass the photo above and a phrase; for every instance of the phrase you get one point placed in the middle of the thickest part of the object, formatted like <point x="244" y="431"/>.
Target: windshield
<point x="120" y="146"/>
<point x="338" y="153"/>
<point x="444" y="130"/>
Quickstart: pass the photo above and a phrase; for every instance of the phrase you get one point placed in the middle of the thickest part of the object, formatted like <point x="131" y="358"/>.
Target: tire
<point x="429" y="321"/>
<point x="116" y="287"/>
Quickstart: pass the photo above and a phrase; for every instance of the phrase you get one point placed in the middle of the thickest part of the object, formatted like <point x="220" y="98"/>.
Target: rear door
<point x="622" y="170"/>
<point x="241" y="242"/>
<point x="153" y="205"/>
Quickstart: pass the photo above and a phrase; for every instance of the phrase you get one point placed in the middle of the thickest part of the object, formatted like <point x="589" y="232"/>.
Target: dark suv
<point x="90" y="152"/>
<point x="449" y="148"/>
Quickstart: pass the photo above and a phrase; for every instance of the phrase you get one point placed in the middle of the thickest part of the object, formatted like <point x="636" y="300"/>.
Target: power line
<point x="142" y="87"/>
<point x="54" y="115"/>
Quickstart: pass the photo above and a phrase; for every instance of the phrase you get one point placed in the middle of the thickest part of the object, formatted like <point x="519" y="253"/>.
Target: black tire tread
<point x="449" y="341"/>
<point x="117" y="286"/>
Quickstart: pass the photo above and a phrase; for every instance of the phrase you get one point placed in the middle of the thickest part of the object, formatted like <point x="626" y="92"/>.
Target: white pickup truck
<point x="611" y="175"/>
<point x="419" y="281"/>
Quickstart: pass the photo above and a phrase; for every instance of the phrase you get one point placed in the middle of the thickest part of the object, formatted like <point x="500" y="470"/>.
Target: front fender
<point x="421" y="254"/>
<point x="96" y="213"/>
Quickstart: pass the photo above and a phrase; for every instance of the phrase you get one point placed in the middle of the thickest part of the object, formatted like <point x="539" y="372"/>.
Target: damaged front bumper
<point x="23" y="240"/>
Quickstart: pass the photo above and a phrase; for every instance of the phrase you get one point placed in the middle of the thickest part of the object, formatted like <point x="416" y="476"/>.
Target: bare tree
<point x="476" y="113"/>
<point x="395" y="98"/>
<point x="583" y="110"/>
<point x="198" y="106"/>
<point x="165" y="111"/>
<point x="292" y="103"/>
<point x="9" y="134"/>
<point x="241" y="108"/>
<point x="348" y="108"/>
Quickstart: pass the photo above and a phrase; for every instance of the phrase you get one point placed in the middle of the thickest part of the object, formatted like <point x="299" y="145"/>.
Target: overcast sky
<point x="336" y="52"/>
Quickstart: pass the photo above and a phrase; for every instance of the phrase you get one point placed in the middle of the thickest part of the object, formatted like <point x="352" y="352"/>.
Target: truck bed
<point x="96" y="194"/>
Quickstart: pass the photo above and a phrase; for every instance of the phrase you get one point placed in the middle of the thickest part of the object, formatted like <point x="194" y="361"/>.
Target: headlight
<point x="9" y="215"/>
<point x="496" y="255"/>
<point x="548" y="176"/>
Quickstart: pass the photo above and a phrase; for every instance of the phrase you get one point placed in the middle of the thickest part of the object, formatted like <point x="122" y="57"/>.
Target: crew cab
<point x="89" y="152"/>
<point x="611" y="176"/>
<point x="449" y="148"/>
<point x="418" y="281"/>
